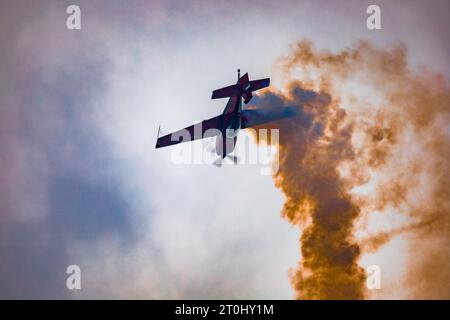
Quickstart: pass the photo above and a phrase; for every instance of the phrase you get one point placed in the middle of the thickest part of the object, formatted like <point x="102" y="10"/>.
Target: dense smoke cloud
<point x="371" y="141"/>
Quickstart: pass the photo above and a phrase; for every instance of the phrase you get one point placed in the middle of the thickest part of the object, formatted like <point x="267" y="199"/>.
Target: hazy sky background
<point x="81" y="182"/>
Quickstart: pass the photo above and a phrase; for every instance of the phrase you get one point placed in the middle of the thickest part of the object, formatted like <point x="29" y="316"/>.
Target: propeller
<point x="219" y="161"/>
<point x="234" y="158"/>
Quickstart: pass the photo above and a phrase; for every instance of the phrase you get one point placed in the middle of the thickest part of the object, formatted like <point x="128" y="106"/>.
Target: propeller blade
<point x="234" y="158"/>
<point x="218" y="163"/>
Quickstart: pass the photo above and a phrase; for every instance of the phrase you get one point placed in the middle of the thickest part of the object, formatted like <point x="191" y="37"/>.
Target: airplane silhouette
<point x="225" y="127"/>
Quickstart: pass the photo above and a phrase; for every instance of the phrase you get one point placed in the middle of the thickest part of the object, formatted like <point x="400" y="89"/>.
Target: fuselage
<point x="224" y="127"/>
<point x="226" y="142"/>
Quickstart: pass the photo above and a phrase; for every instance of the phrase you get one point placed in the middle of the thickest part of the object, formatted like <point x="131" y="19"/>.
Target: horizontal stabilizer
<point x="243" y="87"/>
<point x="259" y="84"/>
<point x="226" y="92"/>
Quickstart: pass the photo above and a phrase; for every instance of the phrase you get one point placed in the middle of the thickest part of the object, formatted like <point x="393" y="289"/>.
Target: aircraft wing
<point x="255" y="117"/>
<point x="204" y="129"/>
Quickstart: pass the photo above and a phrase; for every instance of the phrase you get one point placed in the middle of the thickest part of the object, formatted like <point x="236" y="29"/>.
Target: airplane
<point x="225" y="127"/>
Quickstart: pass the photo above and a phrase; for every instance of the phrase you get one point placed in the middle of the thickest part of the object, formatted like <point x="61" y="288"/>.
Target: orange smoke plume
<point x="371" y="138"/>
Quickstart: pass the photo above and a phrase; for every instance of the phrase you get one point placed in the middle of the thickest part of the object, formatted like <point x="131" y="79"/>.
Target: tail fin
<point x="259" y="84"/>
<point x="242" y="87"/>
<point x="233" y="90"/>
<point x="226" y="92"/>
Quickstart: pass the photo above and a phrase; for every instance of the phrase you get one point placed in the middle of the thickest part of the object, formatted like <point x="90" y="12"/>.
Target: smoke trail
<point x="311" y="148"/>
<point x="373" y="243"/>
<point x="367" y="122"/>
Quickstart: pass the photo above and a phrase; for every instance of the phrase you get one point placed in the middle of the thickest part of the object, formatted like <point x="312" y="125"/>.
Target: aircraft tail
<point x="230" y="91"/>
<point x="243" y="87"/>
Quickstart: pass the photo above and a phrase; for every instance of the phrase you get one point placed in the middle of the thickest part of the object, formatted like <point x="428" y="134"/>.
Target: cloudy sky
<point x="81" y="182"/>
